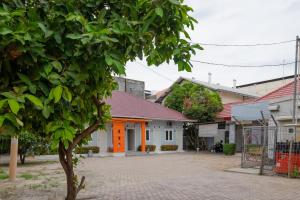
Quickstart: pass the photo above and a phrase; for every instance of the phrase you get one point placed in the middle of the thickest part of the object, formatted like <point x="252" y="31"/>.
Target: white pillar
<point x="13" y="158"/>
<point x="232" y="133"/>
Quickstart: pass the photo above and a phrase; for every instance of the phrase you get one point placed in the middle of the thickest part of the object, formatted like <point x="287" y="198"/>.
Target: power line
<point x="147" y="67"/>
<point x="242" y="66"/>
<point x="244" y="45"/>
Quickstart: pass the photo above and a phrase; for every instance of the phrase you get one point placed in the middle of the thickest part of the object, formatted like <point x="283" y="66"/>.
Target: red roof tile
<point x="129" y="106"/>
<point x="226" y="112"/>
<point x="286" y="90"/>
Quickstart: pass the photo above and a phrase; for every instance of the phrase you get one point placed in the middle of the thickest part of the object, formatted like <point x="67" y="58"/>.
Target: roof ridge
<point x="276" y="90"/>
<point x="152" y="103"/>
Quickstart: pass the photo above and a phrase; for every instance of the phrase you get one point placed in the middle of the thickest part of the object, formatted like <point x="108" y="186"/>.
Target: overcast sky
<point x="234" y="22"/>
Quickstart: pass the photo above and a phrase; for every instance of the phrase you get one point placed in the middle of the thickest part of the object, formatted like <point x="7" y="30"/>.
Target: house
<point x="211" y="133"/>
<point x="136" y="123"/>
<point x="262" y="88"/>
<point x="247" y="112"/>
<point x="227" y="94"/>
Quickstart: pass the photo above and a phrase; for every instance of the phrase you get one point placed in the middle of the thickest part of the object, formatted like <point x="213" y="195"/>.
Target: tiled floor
<point x="172" y="176"/>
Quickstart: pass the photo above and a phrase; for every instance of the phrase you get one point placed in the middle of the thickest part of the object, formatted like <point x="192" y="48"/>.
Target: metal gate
<point x="272" y="150"/>
<point x="259" y="145"/>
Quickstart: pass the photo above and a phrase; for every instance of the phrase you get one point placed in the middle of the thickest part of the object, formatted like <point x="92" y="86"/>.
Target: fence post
<point x="13" y="158"/>
<point x="290" y="159"/>
<point x="261" y="170"/>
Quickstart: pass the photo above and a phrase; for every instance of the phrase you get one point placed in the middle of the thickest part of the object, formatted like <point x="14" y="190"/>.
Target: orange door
<point x="118" y="137"/>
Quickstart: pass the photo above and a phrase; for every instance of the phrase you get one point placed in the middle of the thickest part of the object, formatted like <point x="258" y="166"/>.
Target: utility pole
<point x="295" y="82"/>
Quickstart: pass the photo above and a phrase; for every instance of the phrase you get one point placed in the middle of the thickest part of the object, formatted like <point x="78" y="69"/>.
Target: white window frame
<point x="169" y="133"/>
<point x="149" y="135"/>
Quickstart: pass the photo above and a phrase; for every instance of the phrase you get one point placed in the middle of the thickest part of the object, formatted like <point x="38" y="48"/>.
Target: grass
<point x="27" y="176"/>
<point x="3" y="175"/>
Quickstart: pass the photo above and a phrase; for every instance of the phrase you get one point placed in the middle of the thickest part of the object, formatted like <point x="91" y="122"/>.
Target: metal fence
<point x="272" y="150"/>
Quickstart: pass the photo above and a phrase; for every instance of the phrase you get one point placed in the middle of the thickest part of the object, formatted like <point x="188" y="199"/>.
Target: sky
<point x="233" y="22"/>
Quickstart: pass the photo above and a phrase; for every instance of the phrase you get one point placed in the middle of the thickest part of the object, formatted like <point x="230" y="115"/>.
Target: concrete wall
<point x="228" y="97"/>
<point x="130" y="86"/>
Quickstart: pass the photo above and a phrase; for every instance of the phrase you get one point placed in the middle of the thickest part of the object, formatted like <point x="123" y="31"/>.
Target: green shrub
<point x="85" y="149"/>
<point x="150" y="147"/>
<point x="229" y="149"/>
<point x="169" y="147"/>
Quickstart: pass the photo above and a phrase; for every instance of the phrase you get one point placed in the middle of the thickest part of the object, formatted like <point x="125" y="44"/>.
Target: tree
<point x="27" y="140"/>
<point x="58" y="57"/>
<point x="196" y="102"/>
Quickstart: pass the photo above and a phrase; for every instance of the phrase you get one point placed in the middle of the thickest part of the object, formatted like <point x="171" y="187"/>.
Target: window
<point x="169" y="135"/>
<point x="147" y="135"/>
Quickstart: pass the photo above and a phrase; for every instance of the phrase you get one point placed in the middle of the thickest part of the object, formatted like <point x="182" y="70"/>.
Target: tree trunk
<point x="65" y="155"/>
<point x="22" y="158"/>
<point x="65" y="158"/>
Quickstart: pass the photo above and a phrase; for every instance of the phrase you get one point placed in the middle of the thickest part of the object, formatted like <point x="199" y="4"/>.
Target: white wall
<point x="103" y="138"/>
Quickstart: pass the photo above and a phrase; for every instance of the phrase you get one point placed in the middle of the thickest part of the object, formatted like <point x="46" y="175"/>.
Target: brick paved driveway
<point x="173" y="176"/>
<point x="181" y="176"/>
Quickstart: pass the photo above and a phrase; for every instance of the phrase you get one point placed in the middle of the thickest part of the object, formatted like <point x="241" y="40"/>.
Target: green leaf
<point x="47" y="32"/>
<point x="2" y="118"/>
<point x="52" y="127"/>
<point x="74" y="36"/>
<point x="57" y="65"/>
<point x="14" y="106"/>
<point x="47" y="110"/>
<point x="57" y="92"/>
<point x="109" y="60"/>
<point x="26" y="80"/>
<point x="159" y="11"/>
<point x="9" y="95"/>
<point x="48" y="69"/>
<point x="5" y="31"/>
<point x="36" y="101"/>
<point x="13" y="119"/>
<point x="2" y="102"/>
<point x="44" y="88"/>
<point x="174" y="2"/>
<point x="67" y="95"/>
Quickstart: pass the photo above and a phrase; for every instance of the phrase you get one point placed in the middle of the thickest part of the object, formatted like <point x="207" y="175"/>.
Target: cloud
<point x="234" y="22"/>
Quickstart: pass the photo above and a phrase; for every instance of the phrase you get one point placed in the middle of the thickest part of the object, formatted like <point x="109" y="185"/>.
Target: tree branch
<point x="62" y="154"/>
<point x="81" y="185"/>
<point x="91" y="128"/>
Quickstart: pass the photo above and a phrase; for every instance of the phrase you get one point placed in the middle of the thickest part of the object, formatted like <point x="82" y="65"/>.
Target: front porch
<point x="126" y="137"/>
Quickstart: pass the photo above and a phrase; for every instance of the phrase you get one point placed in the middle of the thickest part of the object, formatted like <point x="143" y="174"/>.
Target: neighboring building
<point x="137" y="122"/>
<point x="227" y="94"/>
<point x="134" y="87"/>
<point x="211" y="133"/>
<point x="262" y="88"/>
<point x="278" y="103"/>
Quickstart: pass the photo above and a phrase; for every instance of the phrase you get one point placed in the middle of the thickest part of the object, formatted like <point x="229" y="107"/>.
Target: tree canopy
<point x="58" y="58"/>
<point x="195" y="101"/>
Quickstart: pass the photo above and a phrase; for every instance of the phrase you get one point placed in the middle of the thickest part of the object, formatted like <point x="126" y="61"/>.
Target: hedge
<point x="85" y="149"/>
<point x="229" y="149"/>
<point x="150" y="147"/>
<point x="169" y="147"/>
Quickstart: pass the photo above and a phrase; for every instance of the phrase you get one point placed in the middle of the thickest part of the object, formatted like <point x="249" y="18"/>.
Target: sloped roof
<point x="128" y="106"/>
<point x="226" y="112"/>
<point x="214" y="87"/>
<point x="218" y="87"/>
<point x="286" y="90"/>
